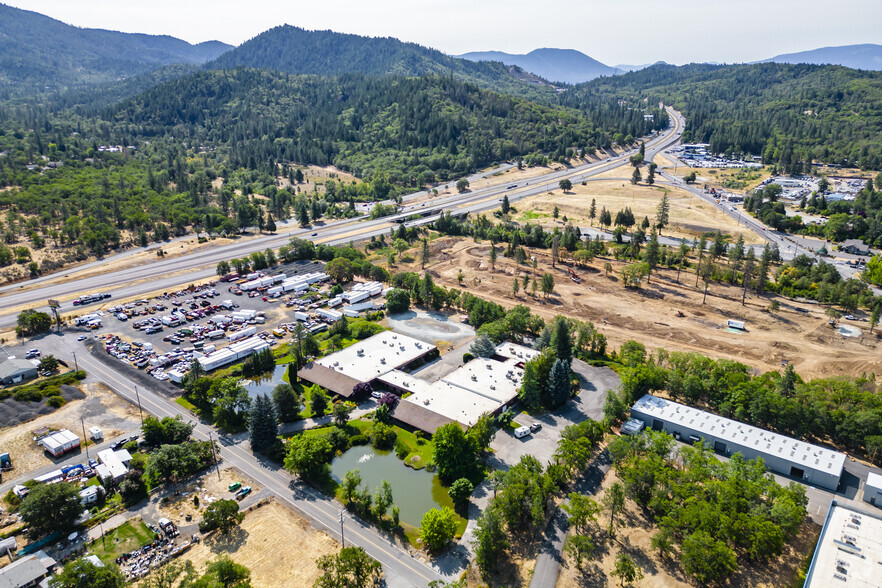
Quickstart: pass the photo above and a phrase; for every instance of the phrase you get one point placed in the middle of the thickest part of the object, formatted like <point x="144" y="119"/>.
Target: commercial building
<point x="784" y="455"/>
<point x="873" y="490"/>
<point x="13" y="371"/>
<point x="364" y="361"/>
<point x="849" y="550"/>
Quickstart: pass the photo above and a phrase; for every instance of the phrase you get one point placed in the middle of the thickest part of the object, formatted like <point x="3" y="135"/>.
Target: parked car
<point x="82" y="338"/>
<point x="535" y="427"/>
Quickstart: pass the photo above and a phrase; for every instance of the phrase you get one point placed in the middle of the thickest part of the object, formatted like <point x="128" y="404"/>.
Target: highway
<point x="171" y="273"/>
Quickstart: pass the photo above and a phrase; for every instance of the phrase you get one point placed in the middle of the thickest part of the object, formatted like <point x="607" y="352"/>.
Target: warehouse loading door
<point x="796" y="472"/>
<point x="720" y="447"/>
<point x="657" y="425"/>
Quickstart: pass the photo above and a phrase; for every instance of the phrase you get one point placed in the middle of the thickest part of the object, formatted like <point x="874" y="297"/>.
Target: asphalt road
<point x="170" y="273"/>
<point x="402" y="570"/>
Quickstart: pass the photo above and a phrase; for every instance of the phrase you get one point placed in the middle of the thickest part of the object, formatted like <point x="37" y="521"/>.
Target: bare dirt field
<point x="634" y="539"/>
<point x="101" y="408"/>
<point x="278" y="547"/>
<point x="664" y="313"/>
<point x="208" y="488"/>
<point x="690" y="216"/>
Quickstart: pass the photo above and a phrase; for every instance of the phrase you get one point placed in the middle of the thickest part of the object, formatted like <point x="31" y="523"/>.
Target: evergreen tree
<point x="747" y="274"/>
<point x="531" y="392"/>
<point x="506" y="206"/>
<point x="636" y="176"/>
<point x="762" y="274"/>
<point x="286" y="402"/>
<point x="592" y="212"/>
<point x="424" y="253"/>
<point x="663" y="211"/>
<point x="561" y="341"/>
<point x="493" y="256"/>
<point x="263" y="425"/>
<point x="558" y="389"/>
<point x="490" y="542"/>
<point x="270" y="224"/>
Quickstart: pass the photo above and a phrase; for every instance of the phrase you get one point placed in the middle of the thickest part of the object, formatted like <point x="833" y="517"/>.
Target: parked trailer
<point x="354" y="297"/>
<point x="60" y="442"/>
<point x="336" y="301"/>
<point x="274" y="290"/>
<point x="332" y="315"/>
<point x="241" y="334"/>
<point x="301" y="316"/>
<point x="215" y="334"/>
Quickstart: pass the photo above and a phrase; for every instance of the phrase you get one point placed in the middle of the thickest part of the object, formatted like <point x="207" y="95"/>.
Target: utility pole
<point x="85" y="439"/>
<point x="213" y="455"/>
<point x="141" y="412"/>
<point x="342" y="539"/>
<point x="76" y="365"/>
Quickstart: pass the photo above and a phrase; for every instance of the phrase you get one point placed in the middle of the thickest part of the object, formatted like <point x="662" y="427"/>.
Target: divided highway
<point x="171" y="273"/>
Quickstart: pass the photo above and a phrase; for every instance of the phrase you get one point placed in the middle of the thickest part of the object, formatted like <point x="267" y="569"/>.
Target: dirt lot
<point x="650" y="315"/>
<point x="690" y="216"/>
<point x="101" y="408"/>
<point x="634" y="539"/>
<point x="278" y="547"/>
<point x="208" y="488"/>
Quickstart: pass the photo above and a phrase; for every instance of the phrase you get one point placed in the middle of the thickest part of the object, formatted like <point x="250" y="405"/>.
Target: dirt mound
<point x="14" y="412"/>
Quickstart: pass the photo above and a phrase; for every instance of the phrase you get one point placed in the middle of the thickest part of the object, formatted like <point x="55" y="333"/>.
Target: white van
<point x="521" y="432"/>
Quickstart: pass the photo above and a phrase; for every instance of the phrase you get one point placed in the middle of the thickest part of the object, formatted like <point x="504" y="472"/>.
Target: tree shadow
<point x="229" y="543"/>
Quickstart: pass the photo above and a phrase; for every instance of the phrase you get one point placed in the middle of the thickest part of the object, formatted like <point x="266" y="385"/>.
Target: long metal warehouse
<point x="784" y="455"/>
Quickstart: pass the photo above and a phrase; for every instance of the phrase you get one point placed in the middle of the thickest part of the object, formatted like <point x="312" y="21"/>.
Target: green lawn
<point x="186" y="404"/>
<point x="127" y="537"/>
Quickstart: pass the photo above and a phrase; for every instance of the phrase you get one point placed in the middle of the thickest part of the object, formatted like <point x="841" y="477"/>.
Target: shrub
<point x="56" y="401"/>
<point x="339" y="439"/>
<point x="401" y="449"/>
<point x="383" y="436"/>
<point x="358" y="440"/>
<point x="467" y="357"/>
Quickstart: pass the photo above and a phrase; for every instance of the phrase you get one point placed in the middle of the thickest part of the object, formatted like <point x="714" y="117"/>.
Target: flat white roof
<point x="874" y="481"/>
<point x="760" y="440"/>
<point x="849" y="550"/>
<point x="453" y="402"/>
<point x="478" y="387"/>
<point x="515" y="351"/>
<point x="377" y="355"/>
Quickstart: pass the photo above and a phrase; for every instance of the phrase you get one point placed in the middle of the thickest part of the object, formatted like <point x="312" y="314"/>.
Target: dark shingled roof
<point x="328" y="378"/>
<point x="418" y="417"/>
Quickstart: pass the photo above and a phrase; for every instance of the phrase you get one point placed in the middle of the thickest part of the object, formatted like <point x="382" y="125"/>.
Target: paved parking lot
<point x="587" y="405"/>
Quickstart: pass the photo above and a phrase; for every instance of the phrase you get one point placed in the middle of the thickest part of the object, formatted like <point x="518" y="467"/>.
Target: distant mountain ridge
<point x="867" y="56"/>
<point x="41" y="53"/>
<point x="295" y="50"/>
<point x="557" y="65"/>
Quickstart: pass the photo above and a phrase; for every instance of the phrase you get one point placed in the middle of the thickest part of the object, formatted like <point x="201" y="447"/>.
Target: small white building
<point x="873" y="490"/>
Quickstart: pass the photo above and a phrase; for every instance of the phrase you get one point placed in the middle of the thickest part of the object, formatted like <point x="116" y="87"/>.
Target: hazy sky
<point x="613" y="31"/>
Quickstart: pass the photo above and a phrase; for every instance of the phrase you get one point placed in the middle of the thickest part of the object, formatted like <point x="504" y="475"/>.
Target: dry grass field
<point x="690" y="216"/>
<point x="665" y="313"/>
<point x="278" y="547"/>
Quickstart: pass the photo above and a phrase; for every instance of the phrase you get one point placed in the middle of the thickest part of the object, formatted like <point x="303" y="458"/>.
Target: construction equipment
<point x="574" y="276"/>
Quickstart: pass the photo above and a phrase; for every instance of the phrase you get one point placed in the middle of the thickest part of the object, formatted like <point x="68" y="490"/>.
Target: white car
<point x="376" y="394"/>
<point x="82" y="338"/>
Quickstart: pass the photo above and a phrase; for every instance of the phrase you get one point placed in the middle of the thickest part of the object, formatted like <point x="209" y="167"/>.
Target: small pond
<point x="414" y="491"/>
<point x="264" y="383"/>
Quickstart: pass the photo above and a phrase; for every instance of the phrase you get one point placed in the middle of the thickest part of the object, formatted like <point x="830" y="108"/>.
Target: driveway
<point x="588" y="404"/>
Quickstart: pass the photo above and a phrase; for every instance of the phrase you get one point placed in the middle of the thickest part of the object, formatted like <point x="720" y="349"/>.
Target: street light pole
<point x="85" y="439"/>
<point x="141" y="412"/>
<point x="342" y="539"/>
<point x="216" y="467"/>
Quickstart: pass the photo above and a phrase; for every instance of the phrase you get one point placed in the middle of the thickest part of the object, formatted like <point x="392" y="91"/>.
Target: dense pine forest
<point x="788" y="114"/>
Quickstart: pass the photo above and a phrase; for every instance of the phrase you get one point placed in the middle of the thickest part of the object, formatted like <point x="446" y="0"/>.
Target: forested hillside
<point x="39" y="54"/>
<point x="788" y="114"/>
<point x="408" y="130"/>
<point x="327" y="53"/>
